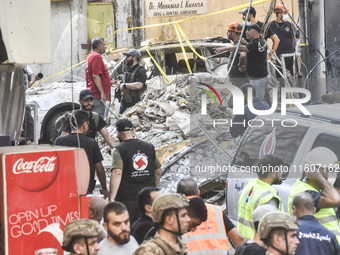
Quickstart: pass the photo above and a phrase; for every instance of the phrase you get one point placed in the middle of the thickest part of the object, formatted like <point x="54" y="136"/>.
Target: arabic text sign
<point x="161" y="8"/>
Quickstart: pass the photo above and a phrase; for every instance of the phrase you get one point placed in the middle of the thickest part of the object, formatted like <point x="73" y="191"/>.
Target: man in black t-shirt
<point x="134" y="166"/>
<point x="80" y="124"/>
<point x="255" y="60"/>
<point x="269" y="33"/>
<point x="286" y="31"/>
<point x="133" y="85"/>
<point x="96" y="123"/>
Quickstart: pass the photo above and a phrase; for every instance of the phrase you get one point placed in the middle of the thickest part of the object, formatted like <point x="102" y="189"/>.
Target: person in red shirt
<point x="97" y="76"/>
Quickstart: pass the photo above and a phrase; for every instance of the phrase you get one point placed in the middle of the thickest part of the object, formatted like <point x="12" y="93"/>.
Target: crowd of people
<point x="133" y="216"/>
<point x="182" y="223"/>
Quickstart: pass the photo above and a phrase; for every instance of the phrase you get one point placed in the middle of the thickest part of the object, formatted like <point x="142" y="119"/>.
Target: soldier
<point x="80" y="237"/>
<point x="278" y="231"/>
<point x="169" y="211"/>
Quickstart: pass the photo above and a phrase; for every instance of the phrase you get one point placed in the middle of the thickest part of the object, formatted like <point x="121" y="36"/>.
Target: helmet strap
<point x="178" y="224"/>
<point x="87" y="246"/>
<point x="286" y="241"/>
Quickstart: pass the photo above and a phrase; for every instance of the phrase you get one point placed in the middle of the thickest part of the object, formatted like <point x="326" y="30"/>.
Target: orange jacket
<point x="210" y="237"/>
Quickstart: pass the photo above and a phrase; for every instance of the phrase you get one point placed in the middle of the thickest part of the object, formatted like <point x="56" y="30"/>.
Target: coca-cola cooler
<point x="40" y="194"/>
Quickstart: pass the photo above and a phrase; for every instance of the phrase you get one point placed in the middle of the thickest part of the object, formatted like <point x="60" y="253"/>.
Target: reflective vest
<point x="254" y="194"/>
<point x="325" y="216"/>
<point x="210" y="237"/>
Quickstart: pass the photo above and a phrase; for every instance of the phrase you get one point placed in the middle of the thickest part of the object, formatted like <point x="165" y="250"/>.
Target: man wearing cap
<point x="133" y="84"/>
<point x="169" y="211"/>
<point x="134" y="166"/>
<point x="80" y="125"/>
<point x="97" y="76"/>
<point x="80" y="237"/>
<point x="286" y="32"/>
<point x="277" y="230"/>
<point x="255" y="60"/>
<point x="252" y="20"/>
<point x="96" y="122"/>
<point x="255" y="246"/>
<point x="319" y="161"/>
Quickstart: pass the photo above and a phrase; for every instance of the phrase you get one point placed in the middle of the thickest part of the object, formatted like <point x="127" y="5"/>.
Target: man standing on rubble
<point x="286" y="31"/>
<point x="133" y="84"/>
<point x="78" y="138"/>
<point x="255" y="60"/>
<point x="252" y="20"/>
<point x="97" y="76"/>
<point x="259" y="192"/>
<point x="211" y="235"/>
<point x="134" y="166"/>
<point x="96" y="122"/>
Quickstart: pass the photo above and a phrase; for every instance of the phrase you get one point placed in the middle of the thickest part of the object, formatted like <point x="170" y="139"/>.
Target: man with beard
<point x="96" y="122"/>
<point x="252" y="20"/>
<point x="133" y="84"/>
<point x="134" y="166"/>
<point x="237" y="75"/>
<point x="170" y="212"/>
<point x="259" y="192"/>
<point x="97" y="76"/>
<point x="117" y="225"/>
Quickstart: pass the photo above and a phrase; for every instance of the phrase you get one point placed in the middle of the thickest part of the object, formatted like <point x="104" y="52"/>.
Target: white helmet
<point x="322" y="156"/>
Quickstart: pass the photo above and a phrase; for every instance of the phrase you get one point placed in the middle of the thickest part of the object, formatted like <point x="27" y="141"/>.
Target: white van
<point x="289" y="137"/>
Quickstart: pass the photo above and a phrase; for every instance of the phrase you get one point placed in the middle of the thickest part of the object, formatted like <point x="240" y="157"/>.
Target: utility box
<point x="100" y="22"/>
<point x="40" y="193"/>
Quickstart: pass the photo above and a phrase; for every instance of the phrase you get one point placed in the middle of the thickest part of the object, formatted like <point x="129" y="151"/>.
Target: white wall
<point x="61" y="38"/>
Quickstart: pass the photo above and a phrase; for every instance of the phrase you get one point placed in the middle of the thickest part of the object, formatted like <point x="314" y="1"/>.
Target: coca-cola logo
<point x="35" y="172"/>
<point x="43" y="164"/>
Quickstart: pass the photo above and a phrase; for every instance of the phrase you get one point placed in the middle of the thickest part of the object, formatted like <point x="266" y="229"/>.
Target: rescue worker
<point x="212" y="234"/>
<point x="322" y="241"/>
<point x="169" y="211"/>
<point x="278" y="231"/>
<point x="319" y="161"/>
<point x="80" y="237"/>
<point x="259" y="192"/>
<point x="255" y="246"/>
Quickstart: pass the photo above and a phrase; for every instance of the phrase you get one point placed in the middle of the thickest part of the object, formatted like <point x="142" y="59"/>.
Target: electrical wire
<point x="307" y="38"/>
<point x="315" y="66"/>
<point x="72" y="116"/>
<point x="239" y="43"/>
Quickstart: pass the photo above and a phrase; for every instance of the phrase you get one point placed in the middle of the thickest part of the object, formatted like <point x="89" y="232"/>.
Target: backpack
<point x="60" y="123"/>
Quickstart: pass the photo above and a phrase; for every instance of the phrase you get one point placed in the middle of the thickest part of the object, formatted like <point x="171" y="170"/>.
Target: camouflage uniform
<point x="158" y="246"/>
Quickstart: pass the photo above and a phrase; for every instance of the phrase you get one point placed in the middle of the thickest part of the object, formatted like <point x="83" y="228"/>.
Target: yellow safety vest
<point x="254" y="194"/>
<point x="210" y="237"/>
<point x="325" y="216"/>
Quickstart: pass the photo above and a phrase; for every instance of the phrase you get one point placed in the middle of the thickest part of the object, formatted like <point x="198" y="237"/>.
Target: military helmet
<point x="80" y="228"/>
<point x="166" y="202"/>
<point x="276" y="220"/>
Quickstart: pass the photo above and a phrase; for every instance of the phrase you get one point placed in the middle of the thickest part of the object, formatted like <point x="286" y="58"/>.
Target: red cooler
<point x="40" y="194"/>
